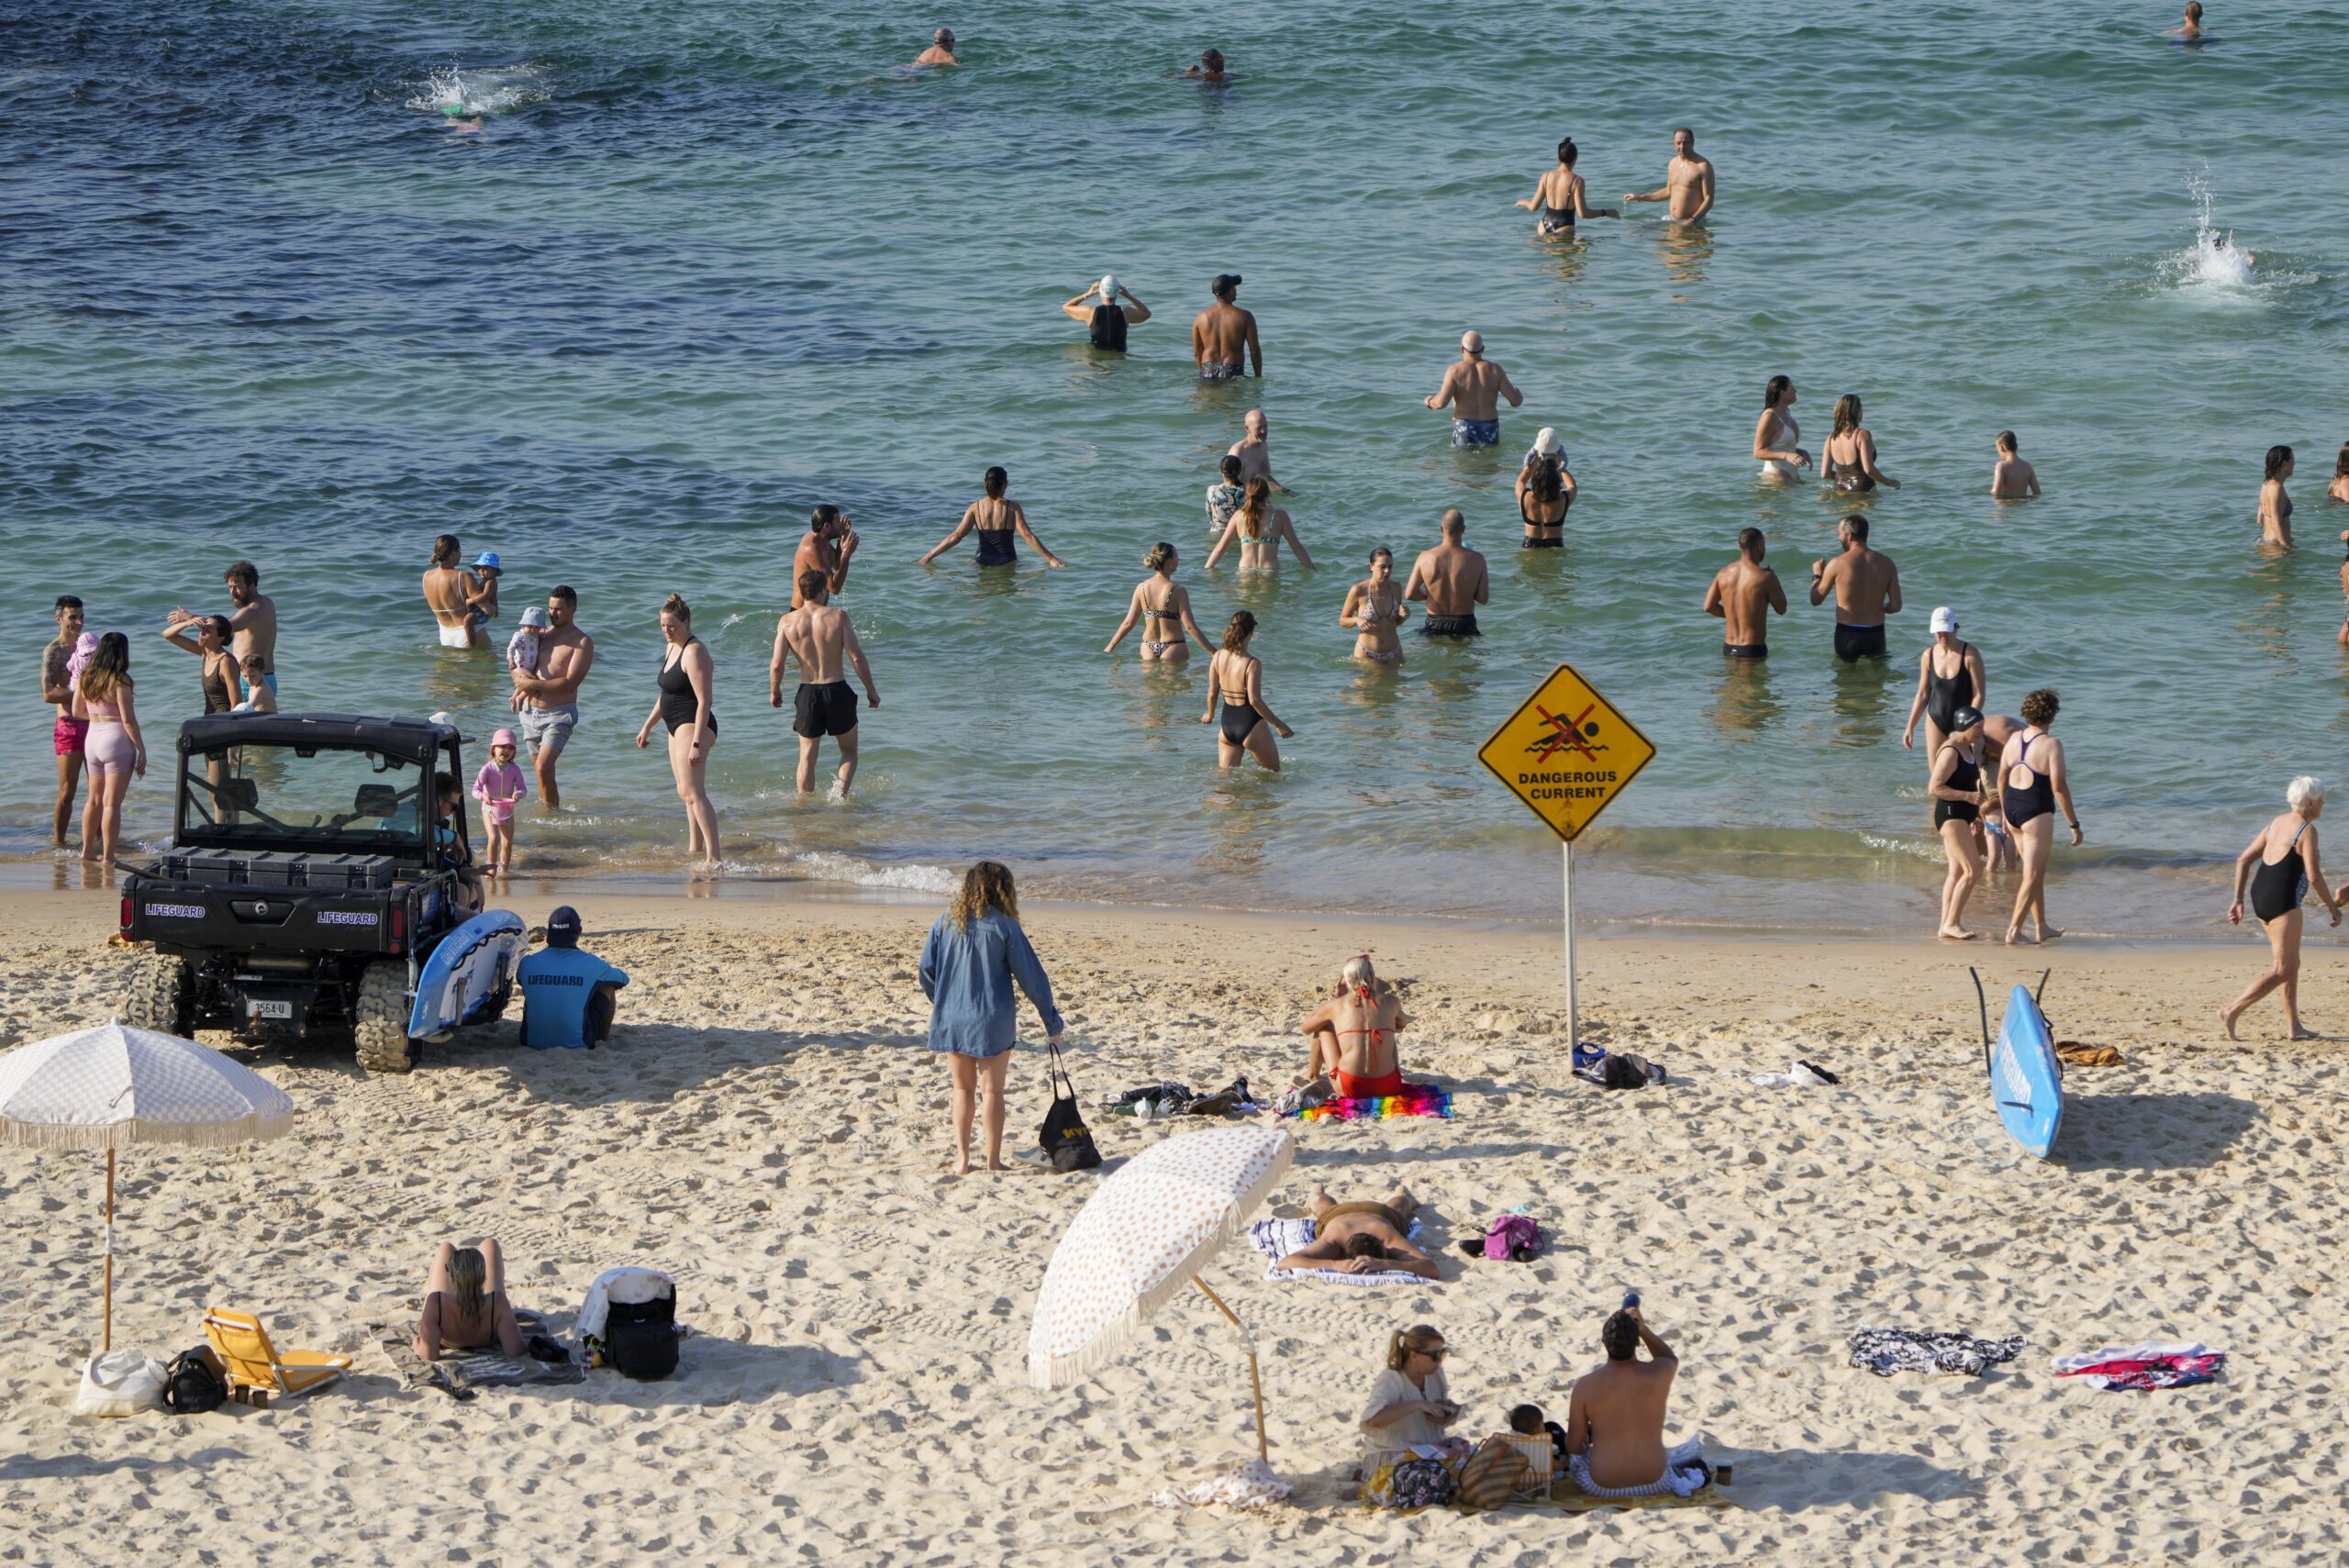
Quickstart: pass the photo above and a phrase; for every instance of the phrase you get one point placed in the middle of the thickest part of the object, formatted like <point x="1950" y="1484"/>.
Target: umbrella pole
<point x="108" y="1342"/>
<point x="1256" y="1381"/>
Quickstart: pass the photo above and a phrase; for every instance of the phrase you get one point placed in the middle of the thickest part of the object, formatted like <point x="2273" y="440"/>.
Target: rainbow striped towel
<point x="1417" y="1099"/>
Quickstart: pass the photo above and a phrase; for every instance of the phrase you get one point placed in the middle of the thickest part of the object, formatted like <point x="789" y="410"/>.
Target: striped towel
<point x="1276" y="1239"/>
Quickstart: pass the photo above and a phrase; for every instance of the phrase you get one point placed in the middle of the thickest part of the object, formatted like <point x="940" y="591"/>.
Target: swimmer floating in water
<point x="940" y="50"/>
<point x="2012" y="479"/>
<point x="2192" y="31"/>
<point x="1208" y="69"/>
<point x="456" y="117"/>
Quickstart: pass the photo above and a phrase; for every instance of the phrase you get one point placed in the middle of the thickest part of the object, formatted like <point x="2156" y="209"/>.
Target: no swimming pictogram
<point x="1566" y="752"/>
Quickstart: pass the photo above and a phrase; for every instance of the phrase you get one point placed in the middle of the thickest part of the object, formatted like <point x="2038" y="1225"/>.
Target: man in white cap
<point x="940" y="50"/>
<point x="1473" y="387"/>
<point x="1105" y="318"/>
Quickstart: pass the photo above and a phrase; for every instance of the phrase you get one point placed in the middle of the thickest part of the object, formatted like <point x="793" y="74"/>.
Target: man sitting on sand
<point x="1362" y="1237"/>
<point x="568" y="997"/>
<point x="1615" y="1420"/>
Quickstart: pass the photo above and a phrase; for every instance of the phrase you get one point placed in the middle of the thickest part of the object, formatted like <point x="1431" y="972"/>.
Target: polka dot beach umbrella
<point x="113" y="1086"/>
<point x="1143" y="1236"/>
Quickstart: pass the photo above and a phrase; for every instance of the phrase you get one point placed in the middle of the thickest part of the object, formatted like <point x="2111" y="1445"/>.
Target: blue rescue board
<point x="468" y="974"/>
<point x="2026" y="1081"/>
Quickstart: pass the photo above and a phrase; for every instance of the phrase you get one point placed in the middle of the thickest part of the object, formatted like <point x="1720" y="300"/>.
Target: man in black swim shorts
<point x="1451" y="581"/>
<point x="822" y="639"/>
<point x="1744" y="593"/>
<point x="1867" y="586"/>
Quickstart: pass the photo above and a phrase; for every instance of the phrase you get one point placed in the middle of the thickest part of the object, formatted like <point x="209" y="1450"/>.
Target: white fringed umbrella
<point x="1141" y="1239"/>
<point x="113" y="1086"/>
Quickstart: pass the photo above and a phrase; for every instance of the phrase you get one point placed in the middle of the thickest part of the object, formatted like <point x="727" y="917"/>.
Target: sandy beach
<point x="768" y="1127"/>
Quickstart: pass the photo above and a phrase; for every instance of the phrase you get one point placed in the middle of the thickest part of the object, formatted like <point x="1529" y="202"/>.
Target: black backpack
<point x="1067" y="1141"/>
<point x="192" y="1386"/>
<point x="640" y="1337"/>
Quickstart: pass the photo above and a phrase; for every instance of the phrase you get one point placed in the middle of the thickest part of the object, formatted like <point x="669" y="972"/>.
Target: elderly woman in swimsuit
<point x="2033" y="783"/>
<point x="1166" y="606"/>
<point x="465" y="1306"/>
<point x="2284" y="853"/>
<point x="1352" y="1035"/>
<point x="1374" y="608"/>
<point x="1949" y="676"/>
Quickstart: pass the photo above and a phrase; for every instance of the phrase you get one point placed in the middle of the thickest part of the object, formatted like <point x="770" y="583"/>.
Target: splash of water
<point x="2213" y="261"/>
<point x="497" y="91"/>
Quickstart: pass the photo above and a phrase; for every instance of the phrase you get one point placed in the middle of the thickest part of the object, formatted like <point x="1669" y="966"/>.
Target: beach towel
<point x="2073" y="1053"/>
<point x="2135" y="1369"/>
<point x="463" y="1375"/>
<point x="1276" y="1239"/>
<point x="1887" y="1351"/>
<point x="1417" y="1099"/>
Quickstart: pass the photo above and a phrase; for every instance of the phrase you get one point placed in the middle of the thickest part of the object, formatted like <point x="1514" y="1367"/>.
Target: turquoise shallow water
<point x="711" y="265"/>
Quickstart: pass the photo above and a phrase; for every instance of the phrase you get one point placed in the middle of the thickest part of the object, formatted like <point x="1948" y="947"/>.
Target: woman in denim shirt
<point x="974" y="953"/>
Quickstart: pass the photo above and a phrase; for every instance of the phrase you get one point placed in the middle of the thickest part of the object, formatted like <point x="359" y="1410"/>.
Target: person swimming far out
<point x="2191" y="31"/>
<point x="1210" y="70"/>
<point x="1105" y="320"/>
<point x="940" y="50"/>
<point x="2012" y="479"/>
<point x="1561" y="197"/>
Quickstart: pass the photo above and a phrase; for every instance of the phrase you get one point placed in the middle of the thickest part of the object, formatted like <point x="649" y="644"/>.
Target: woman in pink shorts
<point x="114" y="750"/>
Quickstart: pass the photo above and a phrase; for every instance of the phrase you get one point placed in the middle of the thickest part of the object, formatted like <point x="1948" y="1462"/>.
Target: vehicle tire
<point x="379" y="1020"/>
<point x="162" y="995"/>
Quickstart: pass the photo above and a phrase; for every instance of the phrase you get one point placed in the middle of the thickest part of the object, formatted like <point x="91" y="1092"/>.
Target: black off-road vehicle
<point x="309" y="879"/>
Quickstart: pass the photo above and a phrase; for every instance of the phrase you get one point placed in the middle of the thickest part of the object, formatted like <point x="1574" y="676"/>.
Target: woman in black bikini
<point x="686" y="703"/>
<point x="2032" y="783"/>
<point x="2284" y="853"/>
<point x="1949" y="676"/>
<point x="1956" y="788"/>
<point x="995" y="519"/>
<point x="1850" y="453"/>
<point x="1164" y="607"/>
<point x="1544" y="491"/>
<point x="1236" y="679"/>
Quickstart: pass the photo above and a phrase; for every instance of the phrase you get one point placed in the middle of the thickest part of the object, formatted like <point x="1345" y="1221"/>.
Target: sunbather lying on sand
<point x="1352" y="1035"/>
<point x="1362" y="1237"/>
<point x="465" y="1308"/>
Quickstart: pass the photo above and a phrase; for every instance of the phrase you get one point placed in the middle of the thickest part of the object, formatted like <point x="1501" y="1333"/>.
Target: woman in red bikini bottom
<point x="1352" y="1035"/>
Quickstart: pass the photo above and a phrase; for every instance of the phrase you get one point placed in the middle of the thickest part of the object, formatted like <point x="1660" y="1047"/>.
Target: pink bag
<point x="1513" y="1239"/>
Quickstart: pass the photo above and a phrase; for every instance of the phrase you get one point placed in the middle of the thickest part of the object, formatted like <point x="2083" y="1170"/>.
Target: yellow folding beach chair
<point x="258" y="1370"/>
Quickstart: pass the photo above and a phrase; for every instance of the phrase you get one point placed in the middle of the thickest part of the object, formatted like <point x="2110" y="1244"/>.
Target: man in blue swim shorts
<point x="547" y="698"/>
<point x="1473" y="388"/>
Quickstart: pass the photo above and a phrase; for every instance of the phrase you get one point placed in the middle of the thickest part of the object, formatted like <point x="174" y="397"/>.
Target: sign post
<point x="1566" y="752"/>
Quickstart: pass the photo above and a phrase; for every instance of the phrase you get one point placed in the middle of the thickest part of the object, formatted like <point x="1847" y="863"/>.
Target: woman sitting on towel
<point x="1352" y="1034"/>
<point x="465" y="1308"/>
<point x="1409" y="1404"/>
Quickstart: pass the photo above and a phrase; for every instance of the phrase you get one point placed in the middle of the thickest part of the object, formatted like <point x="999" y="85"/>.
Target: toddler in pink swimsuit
<point x="499" y="785"/>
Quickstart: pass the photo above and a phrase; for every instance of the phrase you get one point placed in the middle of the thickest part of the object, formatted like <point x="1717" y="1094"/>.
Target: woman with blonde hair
<point x="465" y="1305"/>
<point x="1364" y="1009"/>
<point x="1850" y="453"/>
<point x="1409" y="1404"/>
<point x="1236" y="679"/>
<point x="686" y="703"/>
<point x="976" y="954"/>
<point x="115" y="752"/>
<point x="1166" y="606"/>
<point x="2284" y="856"/>
<point x="1258" y="528"/>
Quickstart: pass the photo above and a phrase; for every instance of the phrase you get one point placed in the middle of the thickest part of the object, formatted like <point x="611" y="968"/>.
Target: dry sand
<point x="768" y="1127"/>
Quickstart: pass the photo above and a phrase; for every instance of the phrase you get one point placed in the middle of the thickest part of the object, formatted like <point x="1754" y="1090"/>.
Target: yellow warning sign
<point x="1566" y="752"/>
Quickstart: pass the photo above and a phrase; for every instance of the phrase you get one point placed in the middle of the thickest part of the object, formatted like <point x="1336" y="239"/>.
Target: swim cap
<point x="1547" y="441"/>
<point x="1965" y="719"/>
<point x="1108" y="288"/>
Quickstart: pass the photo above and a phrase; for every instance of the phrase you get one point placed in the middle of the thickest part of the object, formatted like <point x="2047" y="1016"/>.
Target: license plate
<point x="265" y="1008"/>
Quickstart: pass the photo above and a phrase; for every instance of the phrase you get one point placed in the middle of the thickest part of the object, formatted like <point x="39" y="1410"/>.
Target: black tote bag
<point x="1067" y="1141"/>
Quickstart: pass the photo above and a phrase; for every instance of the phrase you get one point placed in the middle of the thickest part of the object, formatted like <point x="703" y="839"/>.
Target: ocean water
<point x="711" y="264"/>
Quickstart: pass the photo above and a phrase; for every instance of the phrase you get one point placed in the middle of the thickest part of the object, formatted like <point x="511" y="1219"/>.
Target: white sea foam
<point x="823" y="866"/>
<point x="2214" y="268"/>
<point x="498" y="89"/>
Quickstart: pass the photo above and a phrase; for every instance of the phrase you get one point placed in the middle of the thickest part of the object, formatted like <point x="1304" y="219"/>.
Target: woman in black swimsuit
<point x="1236" y="679"/>
<point x="1949" y="676"/>
<point x="1850" y="453"/>
<point x="1958" y="796"/>
<point x="687" y="684"/>
<point x="2281" y="866"/>
<point x="1544" y="491"/>
<point x="995" y="519"/>
<point x="1561" y="197"/>
<point x="2032" y="783"/>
